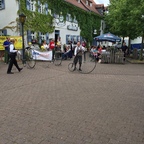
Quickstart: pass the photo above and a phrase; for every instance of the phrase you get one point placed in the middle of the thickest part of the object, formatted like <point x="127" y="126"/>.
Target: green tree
<point x="124" y="18"/>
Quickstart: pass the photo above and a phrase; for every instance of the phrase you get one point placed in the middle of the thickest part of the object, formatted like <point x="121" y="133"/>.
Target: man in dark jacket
<point x="6" y="47"/>
<point x="124" y="49"/>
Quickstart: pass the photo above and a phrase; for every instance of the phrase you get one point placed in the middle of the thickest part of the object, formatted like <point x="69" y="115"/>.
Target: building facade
<point x="68" y="30"/>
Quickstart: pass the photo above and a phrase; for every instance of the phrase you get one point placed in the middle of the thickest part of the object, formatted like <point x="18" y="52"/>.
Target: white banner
<point x="47" y="55"/>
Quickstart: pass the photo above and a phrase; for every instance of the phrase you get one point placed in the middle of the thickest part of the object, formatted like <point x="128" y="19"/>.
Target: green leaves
<point x="37" y="22"/>
<point x="124" y="17"/>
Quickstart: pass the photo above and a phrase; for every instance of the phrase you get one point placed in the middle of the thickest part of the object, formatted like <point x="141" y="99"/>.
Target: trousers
<point x="12" y="62"/>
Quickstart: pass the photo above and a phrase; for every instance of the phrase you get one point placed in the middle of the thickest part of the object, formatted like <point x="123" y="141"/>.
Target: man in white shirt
<point x="78" y="52"/>
<point x="12" y="55"/>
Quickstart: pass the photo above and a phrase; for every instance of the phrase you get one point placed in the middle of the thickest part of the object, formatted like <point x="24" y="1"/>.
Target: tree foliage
<point x="125" y="18"/>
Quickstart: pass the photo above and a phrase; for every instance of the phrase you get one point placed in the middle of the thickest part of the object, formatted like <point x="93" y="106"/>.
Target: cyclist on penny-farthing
<point x="78" y="52"/>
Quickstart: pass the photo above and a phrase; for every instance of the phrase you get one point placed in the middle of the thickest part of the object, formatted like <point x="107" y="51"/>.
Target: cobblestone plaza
<point x="50" y="105"/>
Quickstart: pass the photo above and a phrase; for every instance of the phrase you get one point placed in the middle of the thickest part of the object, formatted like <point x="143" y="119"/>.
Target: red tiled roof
<point x="99" y="5"/>
<point x="75" y="2"/>
<point x="86" y="7"/>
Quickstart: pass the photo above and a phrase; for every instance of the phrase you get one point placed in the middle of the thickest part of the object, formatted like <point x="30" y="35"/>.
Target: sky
<point x="105" y="2"/>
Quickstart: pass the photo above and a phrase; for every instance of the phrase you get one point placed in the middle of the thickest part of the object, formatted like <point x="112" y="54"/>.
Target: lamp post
<point x="22" y="19"/>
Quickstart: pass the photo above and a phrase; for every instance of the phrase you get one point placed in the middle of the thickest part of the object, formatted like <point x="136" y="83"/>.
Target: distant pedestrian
<point x="124" y="49"/>
<point x="52" y="48"/>
<point x="6" y="48"/>
<point x="12" y="56"/>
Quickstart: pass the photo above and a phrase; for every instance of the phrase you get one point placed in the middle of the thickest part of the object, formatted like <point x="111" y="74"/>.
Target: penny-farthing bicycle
<point x="88" y="63"/>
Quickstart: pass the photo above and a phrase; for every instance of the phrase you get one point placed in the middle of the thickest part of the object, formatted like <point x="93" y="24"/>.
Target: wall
<point x="9" y="15"/>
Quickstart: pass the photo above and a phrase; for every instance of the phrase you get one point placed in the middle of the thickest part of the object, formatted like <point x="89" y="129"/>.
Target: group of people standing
<point x="69" y="51"/>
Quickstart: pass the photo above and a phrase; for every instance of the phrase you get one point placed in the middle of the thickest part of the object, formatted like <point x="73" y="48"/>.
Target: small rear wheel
<point x="58" y="58"/>
<point x="71" y="67"/>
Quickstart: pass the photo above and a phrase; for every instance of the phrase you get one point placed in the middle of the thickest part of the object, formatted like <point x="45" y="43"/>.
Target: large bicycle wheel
<point x="88" y="63"/>
<point x="71" y="67"/>
<point x="58" y="58"/>
<point x="20" y="60"/>
<point x="30" y="58"/>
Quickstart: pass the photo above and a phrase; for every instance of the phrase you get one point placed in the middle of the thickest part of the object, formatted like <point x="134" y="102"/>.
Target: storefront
<point x="67" y="30"/>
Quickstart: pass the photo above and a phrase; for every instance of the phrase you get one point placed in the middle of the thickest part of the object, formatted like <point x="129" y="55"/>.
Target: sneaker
<point x="80" y="69"/>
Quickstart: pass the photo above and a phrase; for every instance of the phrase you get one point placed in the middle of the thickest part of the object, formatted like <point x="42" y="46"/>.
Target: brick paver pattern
<point x="50" y="105"/>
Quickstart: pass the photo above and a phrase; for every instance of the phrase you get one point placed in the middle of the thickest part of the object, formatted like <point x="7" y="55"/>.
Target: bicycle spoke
<point x="30" y="58"/>
<point x="88" y="64"/>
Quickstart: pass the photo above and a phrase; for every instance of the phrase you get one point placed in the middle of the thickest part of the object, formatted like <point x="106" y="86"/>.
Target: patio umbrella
<point x="108" y="37"/>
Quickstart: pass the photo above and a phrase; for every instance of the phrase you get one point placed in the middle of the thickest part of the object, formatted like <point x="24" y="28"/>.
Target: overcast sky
<point x="105" y="2"/>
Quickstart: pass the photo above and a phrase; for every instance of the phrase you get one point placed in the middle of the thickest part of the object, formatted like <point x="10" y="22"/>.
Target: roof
<point x="90" y="6"/>
<point x="75" y="2"/>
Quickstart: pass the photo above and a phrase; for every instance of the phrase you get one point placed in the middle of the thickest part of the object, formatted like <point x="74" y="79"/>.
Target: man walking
<point x="12" y="55"/>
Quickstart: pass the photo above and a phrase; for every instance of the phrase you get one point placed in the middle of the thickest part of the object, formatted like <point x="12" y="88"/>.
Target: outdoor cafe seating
<point x="110" y="55"/>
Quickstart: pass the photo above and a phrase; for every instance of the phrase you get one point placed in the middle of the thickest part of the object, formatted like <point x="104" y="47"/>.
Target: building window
<point x="43" y="36"/>
<point x="2" y="4"/>
<point x="69" y="18"/>
<point x="56" y="16"/>
<point x="33" y="35"/>
<point x="3" y="32"/>
<point x="74" y="20"/>
<point x="42" y="8"/>
<point x="30" y="4"/>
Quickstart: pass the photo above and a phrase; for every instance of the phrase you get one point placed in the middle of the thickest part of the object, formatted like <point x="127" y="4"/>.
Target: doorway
<point x="57" y="34"/>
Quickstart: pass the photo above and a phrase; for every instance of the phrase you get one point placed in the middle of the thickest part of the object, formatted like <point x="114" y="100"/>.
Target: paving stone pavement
<point x="50" y="105"/>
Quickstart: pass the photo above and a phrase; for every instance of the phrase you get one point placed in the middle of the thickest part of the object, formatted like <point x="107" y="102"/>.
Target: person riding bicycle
<point x="79" y="50"/>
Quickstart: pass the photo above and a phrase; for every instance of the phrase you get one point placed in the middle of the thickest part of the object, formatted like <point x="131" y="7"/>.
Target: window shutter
<point x="2" y="4"/>
<point x="72" y="38"/>
<point x="29" y="36"/>
<point x="27" y="5"/>
<point x="47" y="37"/>
<point x="39" y="34"/>
<point x="4" y="32"/>
<point x="46" y="8"/>
<point x="39" y="6"/>
<point x="67" y="17"/>
<point x="78" y="38"/>
<point x="67" y="39"/>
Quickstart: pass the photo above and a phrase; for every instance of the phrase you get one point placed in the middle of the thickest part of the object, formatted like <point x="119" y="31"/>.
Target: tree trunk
<point x="123" y="41"/>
